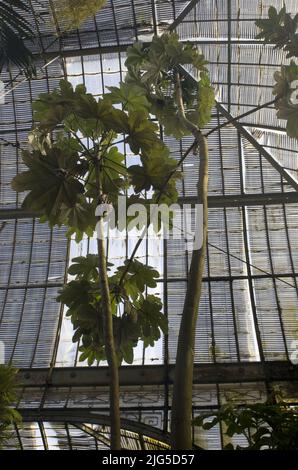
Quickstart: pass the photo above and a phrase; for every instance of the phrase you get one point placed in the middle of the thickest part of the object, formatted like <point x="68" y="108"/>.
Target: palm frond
<point x="14" y="30"/>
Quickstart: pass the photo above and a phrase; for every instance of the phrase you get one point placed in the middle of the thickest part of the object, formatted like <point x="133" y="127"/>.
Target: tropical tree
<point x="67" y="179"/>
<point x="8" y="415"/>
<point x="15" y="29"/>
<point x="182" y="108"/>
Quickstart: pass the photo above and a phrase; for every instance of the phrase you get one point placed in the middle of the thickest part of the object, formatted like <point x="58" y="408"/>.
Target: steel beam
<point x="43" y="285"/>
<point x="183" y="14"/>
<point x="7" y="214"/>
<point x="213" y="201"/>
<point x="240" y="200"/>
<point x="87" y="51"/>
<point x="158" y="375"/>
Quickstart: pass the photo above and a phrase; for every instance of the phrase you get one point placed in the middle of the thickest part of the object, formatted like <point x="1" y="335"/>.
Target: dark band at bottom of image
<point x="140" y="459"/>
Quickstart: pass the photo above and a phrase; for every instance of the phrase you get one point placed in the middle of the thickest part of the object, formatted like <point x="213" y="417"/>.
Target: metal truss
<point x="159" y="374"/>
<point x="213" y="201"/>
<point x="80" y="416"/>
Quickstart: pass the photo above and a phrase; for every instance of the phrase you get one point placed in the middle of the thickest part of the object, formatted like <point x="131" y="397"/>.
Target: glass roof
<point x="248" y="310"/>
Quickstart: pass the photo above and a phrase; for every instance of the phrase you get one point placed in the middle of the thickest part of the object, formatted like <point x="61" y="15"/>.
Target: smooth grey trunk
<point x="110" y="347"/>
<point x="109" y="335"/>
<point x="181" y="421"/>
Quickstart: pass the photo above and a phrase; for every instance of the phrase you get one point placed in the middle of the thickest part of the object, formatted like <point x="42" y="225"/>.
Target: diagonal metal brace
<point x="269" y="157"/>
<point x="183" y="14"/>
<point x="247" y="135"/>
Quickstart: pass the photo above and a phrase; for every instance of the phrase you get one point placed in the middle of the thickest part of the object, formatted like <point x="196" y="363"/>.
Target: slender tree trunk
<point x="108" y="334"/>
<point x="181" y="423"/>
<point x="109" y="346"/>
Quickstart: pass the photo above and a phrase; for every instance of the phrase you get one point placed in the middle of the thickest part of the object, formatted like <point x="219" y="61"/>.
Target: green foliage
<point x="284" y="90"/>
<point x="139" y="276"/>
<point x="156" y="169"/>
<point x="265" y="426"/>
<point x="77" y="110"/>
<point x="51" y="179"/>
<point x="202" y="115"/>
<point x="54" y="181"/>
<point x="280" y="29"/>
<point x="85" y="267"/>
<point x="135" y="316"/>
<point x="61" y="175"/>
<point x="132" y="97"/>
<point x="113" y="178"/>
<point x="167" y="113"/>
<point x="151" y="320"/>
<point x="142" y="133"/>
<point x="153" y="68"/>
<point x="76" y="293"/>
<point x="80" y="218"/>
<point x="8" y="415"/>
<point x="14" y="30"/>
<point x="71" y="14"/>
<point x="71" y="171"/>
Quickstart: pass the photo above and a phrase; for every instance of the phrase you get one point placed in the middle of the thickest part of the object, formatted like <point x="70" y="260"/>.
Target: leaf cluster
<point x="136" y="315"/>
<point x="54" y="181"/>
<point x="153" y="69"/>
<point x="284" y="91"/>
<point x="64" y="176"/>
<point x="75" y="163"/>
<point x="265" y="426"/>
<point x="280" y="29"/>
<point x="15" y="29"/>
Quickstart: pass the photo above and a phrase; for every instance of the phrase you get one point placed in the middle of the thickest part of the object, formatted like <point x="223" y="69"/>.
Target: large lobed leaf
<point x="50" y="179"/>
<point x="285" y="91"/>
<point x="15" y="29"/>
<point x="141" y="318"/>
<point x="154" y="68"/>
<point x="280" y="29"/>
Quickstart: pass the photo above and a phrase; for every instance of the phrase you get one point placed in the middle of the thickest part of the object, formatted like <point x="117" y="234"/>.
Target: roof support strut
<point x="245" y="133"/>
